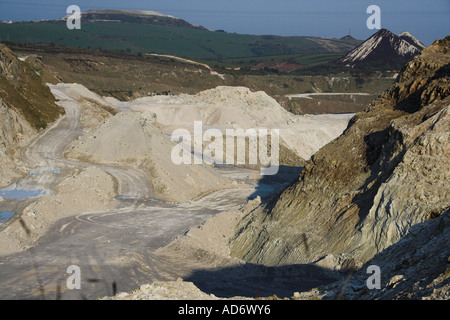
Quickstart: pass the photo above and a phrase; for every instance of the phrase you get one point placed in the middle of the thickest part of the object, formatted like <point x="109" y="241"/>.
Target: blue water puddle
<point x="18" y="191"/>
<point x="21" y="190"/>
<point x="127" y="198"/>
<point x="5" y="216"/>
<point x="42" y="170"/>
<point x="136" y="198"/>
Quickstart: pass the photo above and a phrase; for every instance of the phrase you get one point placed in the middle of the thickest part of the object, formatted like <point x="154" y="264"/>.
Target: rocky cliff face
<point x="363" y="191"/>
<point x="26" y="105"/>
<point x="417" y="267"/>
<point x="13" y="129"/>
<point x="23" y="90"/>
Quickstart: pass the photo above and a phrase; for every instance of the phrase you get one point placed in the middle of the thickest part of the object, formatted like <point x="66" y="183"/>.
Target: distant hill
<point x="348" y="37"/>
<point x="129" y="16"/>
<point x="384" y="48"/>
<point x="152" y="32"/>
<point x="405" y="35"/>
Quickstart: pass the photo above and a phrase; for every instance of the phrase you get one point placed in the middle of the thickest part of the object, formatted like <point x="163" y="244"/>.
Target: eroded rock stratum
<point x="364" y="191"/>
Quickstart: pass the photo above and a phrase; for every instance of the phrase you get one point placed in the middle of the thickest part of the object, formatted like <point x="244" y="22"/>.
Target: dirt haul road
<point x="46" y="152"/>
<point x="114" y="249"/>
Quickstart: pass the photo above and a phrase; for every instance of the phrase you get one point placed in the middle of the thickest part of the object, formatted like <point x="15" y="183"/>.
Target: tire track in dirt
<point x="114" y="249"/>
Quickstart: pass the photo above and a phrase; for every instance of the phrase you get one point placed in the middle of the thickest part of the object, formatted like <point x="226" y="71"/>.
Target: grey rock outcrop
<point x="416" y="267"/>
<point x="364" y="191"/>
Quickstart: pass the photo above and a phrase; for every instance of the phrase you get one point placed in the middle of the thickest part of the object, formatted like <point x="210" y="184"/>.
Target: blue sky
<point x="426" y="20"/>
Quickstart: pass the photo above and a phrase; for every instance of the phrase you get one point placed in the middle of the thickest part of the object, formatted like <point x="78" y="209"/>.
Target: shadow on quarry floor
<point x="271" y="185"/>
<point x="252" y="280"/>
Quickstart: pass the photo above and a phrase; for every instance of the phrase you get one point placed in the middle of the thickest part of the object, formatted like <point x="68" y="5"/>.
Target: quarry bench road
<point x="113" y="249"/>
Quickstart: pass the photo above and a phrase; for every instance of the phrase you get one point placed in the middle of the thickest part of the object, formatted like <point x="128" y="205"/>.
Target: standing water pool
<point x="5" y="216"/>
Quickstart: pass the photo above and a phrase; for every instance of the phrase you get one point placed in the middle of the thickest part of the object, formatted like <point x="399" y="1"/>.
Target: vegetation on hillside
<point x="23" y="90"/>
<point x="163" y="39"/>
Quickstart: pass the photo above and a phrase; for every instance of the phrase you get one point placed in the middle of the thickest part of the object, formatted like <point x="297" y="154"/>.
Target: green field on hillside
<point x="185" y="42"/>
<point x="307" y="59"/>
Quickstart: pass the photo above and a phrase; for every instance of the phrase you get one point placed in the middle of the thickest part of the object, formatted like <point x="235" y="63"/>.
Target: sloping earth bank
<point x="105" y="216"/>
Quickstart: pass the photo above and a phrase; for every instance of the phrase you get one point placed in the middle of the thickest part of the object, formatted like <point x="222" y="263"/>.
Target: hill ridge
<point x="135" y="32"/>
<point x="384" y="47"/>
